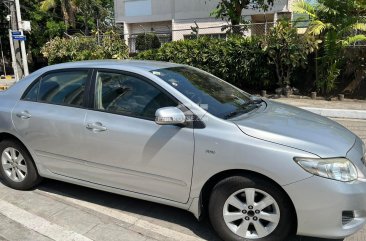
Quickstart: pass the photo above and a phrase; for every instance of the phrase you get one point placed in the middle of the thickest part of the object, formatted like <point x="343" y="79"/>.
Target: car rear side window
<point x="128" y="95"/>
<point x="32" y="93"/>
<point x="62" y="88"/>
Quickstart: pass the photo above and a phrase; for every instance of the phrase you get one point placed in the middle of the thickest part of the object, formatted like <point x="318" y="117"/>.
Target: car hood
<point x="297" y="128"/>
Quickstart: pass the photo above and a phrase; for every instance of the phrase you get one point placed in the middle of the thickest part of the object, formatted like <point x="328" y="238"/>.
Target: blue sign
<point x="16" y="33"/>
<point x="20" y="37"/>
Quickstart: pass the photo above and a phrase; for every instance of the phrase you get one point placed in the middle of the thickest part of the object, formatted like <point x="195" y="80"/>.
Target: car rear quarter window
<point x="60" y="88"/>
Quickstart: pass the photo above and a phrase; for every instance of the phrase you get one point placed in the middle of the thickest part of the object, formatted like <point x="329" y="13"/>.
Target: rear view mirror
<point x="169" y="116"/>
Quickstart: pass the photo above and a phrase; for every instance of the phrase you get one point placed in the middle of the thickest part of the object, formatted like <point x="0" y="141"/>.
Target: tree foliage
<point x="79" y="48"/>
<point x="338" y="24"/>
<point x="4" y="33"/>
<point x="232" y="9"/>
<point x="68" y="9"/>
<point x="52" y="18"/>
<point x="45" y="25"/>
<point x="91" y="11"/>
<point x="80" y="13"/>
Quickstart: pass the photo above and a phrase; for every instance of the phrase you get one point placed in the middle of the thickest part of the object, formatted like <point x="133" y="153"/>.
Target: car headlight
<point x="340" y="169"/>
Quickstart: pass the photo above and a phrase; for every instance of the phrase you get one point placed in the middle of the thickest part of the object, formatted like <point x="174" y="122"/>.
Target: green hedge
<point x="240" y="61"/>
<point x="60" y="50"/>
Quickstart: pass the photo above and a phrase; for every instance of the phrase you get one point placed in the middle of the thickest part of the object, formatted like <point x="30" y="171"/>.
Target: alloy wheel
<point x="13" y="164"/>
<point x="251" y="213"/>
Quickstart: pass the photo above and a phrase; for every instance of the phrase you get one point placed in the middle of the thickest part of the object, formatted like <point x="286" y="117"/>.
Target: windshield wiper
<point x="255" y="100"/>
<point x="252" y="104"/>
<point x="233" y="114"/>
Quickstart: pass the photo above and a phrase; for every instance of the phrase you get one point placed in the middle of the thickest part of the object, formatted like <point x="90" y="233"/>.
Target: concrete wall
<point x="160" y="10"/>
<point x="164" y="10"/>
<point x="178" y="16"/>
<point x="207" y="26"/>
<point x="193" y="9"/>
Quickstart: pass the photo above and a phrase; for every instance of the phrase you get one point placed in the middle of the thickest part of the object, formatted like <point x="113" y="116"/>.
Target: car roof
<point x="115" y="64"/>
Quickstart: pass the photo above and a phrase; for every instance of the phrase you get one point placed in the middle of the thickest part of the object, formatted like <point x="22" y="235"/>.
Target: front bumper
<point x="321" y="203"/>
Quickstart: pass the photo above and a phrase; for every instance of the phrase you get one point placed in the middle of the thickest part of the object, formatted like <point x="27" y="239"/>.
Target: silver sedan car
<point x="176" y="135"/>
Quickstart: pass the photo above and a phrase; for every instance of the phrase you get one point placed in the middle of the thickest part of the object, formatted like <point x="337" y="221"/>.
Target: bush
<point x="240" y="61"/>
<point x="60" y="50"/>
<point x="146" y="41"/>
<point x="252" y="62"/>
<point x="287" y="50"/>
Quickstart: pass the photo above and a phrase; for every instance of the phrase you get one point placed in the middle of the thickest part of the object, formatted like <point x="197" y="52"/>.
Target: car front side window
<point x="128" y="95"/>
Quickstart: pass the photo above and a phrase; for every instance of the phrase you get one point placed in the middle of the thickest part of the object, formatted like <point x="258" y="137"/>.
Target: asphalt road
<point x="60" y="211"/>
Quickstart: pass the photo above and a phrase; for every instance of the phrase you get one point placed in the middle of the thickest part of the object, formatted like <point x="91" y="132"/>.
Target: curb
<point x="338" y="113"/>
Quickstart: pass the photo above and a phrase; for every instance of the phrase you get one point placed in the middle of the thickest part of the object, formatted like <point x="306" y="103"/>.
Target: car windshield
<point x="211" y="93"/>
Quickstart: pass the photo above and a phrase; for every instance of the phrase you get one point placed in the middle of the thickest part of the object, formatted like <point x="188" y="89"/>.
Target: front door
<point x="126" y="149"/>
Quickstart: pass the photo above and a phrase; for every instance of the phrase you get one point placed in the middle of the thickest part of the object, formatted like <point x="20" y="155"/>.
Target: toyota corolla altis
<point x="176" y="135"/>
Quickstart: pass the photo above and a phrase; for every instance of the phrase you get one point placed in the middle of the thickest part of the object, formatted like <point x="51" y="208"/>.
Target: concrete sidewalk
<point x="5" y="84"/>
<point x="349" y="109"/>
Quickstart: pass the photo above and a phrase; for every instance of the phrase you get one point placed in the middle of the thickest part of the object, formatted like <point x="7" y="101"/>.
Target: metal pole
<point x="266" y="26"/>
<point x="98" y="30"/>
<point x="2" y="56"/>
<point x="18" y="70"/>
<point x="98" y="33"/>
<point x="13" y="57"/>
<point x="22" y="43"/>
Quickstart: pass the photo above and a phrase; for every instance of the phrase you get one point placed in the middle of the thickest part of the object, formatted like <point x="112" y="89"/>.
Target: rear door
<point x="50" y="119"/>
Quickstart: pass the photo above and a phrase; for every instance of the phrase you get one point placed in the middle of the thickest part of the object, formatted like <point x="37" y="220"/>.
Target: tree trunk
<point x="86" y="32"/>
<point x="235" y="21"/>
<point x="65" y="13"/>
<point x="71" y="12"/>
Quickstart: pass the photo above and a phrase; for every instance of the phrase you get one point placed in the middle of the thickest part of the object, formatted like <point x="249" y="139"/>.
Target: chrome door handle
<point x="24" y="115"/>
<point x="97" y="127"/>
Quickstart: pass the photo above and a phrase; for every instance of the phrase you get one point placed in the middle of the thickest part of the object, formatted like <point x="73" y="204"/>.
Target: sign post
<point x="19" y="37"/>
<point x="13" y="57"/>
<point x="22" y="43"/>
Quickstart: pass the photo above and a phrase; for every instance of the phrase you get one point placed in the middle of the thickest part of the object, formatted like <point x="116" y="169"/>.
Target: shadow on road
<point x="173" y="218"/>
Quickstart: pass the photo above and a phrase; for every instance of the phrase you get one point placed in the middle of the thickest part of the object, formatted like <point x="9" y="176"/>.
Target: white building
<point x="173" y="19"/>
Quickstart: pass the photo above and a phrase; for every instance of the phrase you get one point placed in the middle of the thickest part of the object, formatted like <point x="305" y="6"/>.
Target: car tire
<point x="17" y="167"/>
<point x="238" y="210"/>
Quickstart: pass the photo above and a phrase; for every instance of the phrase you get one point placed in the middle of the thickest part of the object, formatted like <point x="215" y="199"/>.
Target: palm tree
<point x="339" y="24"/>
<point x="68" y="9"/>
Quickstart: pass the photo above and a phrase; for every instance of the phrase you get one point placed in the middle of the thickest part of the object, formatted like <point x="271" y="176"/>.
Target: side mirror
<point x="169" y="116"/>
